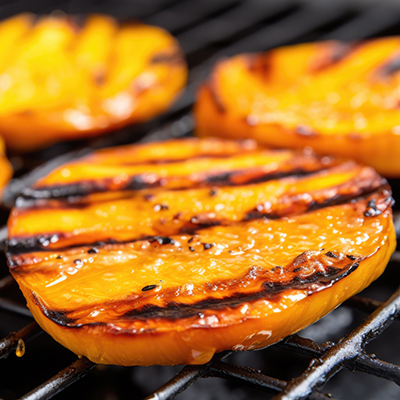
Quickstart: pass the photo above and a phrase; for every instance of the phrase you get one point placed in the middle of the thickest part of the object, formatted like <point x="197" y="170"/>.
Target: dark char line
<point x="175" y="310"/>
<point x="138" y="182"/>
<point x="20" y="246"/>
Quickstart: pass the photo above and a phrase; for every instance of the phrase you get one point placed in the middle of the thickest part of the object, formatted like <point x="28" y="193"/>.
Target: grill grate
<point x="209" y="30"/>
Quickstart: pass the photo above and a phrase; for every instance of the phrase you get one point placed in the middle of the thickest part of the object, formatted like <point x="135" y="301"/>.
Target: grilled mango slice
<point x="338" y="98"/>
<point x="61" y="78"/>
<point x="166" y="253"/>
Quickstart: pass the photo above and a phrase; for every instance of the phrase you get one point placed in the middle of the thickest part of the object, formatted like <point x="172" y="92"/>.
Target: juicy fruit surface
<point x="339" y="98"/>
<point x="62" y="78"/>
<point x="168" y="252"/>
<point x="5" y="167"/>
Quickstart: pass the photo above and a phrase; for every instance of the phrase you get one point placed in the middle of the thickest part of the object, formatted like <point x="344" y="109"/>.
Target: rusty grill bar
<point x="207" y="31"/>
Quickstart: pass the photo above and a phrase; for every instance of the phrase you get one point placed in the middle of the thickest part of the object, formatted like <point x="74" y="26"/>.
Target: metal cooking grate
<point x="208" y="30"/>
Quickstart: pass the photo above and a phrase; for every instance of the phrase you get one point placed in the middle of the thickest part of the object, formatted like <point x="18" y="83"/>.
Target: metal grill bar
<point x="362" y="362"/>
<point x="332" y="361"/>
<point x="63" y="379"/>
<point x="10" y="342"/>
<point x="14" y="307"/>
<point x="286" y="30"/>
<point x="186" y="377"/>
<point x="371" y="22"/>
<point x="254" y="378"/>
<point x="189" y="375"/>
<point x="143" y="8"/>
<point x="370" y="305"/>
<point x="187" y="13"/>
<point x="10" y="305"/>
<point x="364" y="304"/>
<point x="220" y="28"/>
<point x="216" y="368"/>
<point x="6" y="281"/>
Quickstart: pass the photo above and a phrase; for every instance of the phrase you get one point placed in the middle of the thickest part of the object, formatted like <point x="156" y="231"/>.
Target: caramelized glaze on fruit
<point x="169" y="252"/>
<point x="63" y="78"/>
<point x="338" y="98"/>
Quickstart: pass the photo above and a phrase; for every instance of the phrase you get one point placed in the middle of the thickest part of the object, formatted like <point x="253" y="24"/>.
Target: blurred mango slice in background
<point x="336" y="97"/>
<point x="61" y="78"/>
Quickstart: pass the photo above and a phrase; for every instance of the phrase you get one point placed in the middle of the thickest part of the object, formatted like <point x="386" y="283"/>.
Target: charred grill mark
<point x="140" y="182"/>
<point x="268" y="284"/>
<point x="175" y="310"/>
<point x="85" y="188"/>
<point x="57" y="316"/>
<point x="390" y="68"/>
<point x="252" y="215"/>
<point x="331" y="255"/>
<point x="372" y="210"/>
<point x="220" y="178"/>
<point x="260" y="64"/>
<point x="338" y="52"/>
<point x="305" y="130"/>
<point x="202" y="221"/>
<point x="352" y="190"/>
<point x="78" y="189"/>
<point x="238" y="177"/>
<point x="355" y="136"/>
<point x="342" y="50"/>
<point x="18" y="246"/>
<point x="175" y="57"/>
<point x="212" y="89"/>
<point x="30" y="244"/>
<point x="167" y="161"/>
<point x="99" y="78"/>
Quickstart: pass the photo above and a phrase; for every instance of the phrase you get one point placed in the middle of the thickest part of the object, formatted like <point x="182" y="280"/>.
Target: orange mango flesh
<point x="59" y="81"/>
<point x="335" y="97"/>
<point x="165" y="292"/>
<point x="174" y="210"/>
<point x="5" y="167"/>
